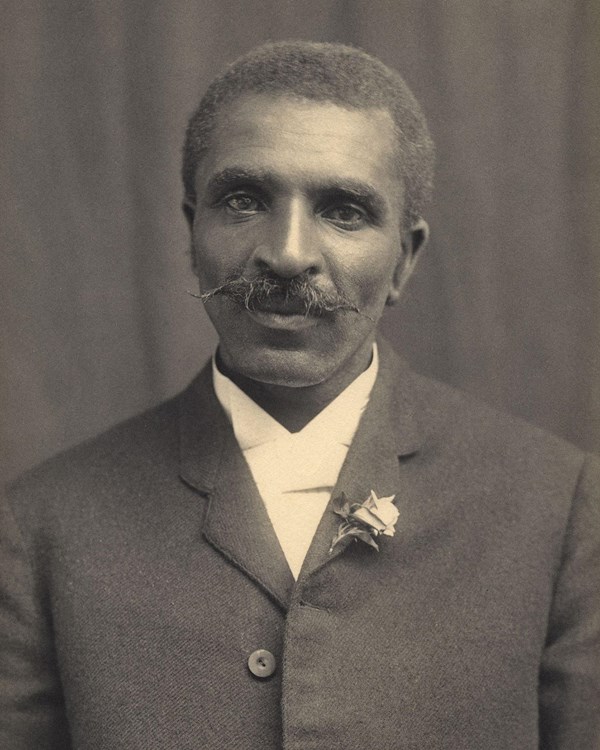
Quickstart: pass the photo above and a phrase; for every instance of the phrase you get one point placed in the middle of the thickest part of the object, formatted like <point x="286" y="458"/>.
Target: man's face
<point x="292" y="187"/>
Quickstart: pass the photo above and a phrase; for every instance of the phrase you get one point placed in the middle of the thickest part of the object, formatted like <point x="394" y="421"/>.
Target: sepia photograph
<point x="300" y="375"/>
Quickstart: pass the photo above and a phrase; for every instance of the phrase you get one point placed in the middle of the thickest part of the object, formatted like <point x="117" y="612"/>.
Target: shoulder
<point x="461" y="422"/>
<point x="138" y="440"/>
<point x="464" y="420"/>
<point x="490" y="450"/>
<point x="127" y="464"/>
<point x="501" y="473"/>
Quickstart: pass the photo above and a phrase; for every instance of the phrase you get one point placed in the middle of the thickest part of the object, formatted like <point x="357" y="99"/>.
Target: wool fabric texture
<point x="140" y="570"/>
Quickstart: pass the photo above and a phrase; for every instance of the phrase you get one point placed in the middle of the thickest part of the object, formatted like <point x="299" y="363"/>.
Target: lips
<point x="283" y="321"/>
<point x="281" y="307"/>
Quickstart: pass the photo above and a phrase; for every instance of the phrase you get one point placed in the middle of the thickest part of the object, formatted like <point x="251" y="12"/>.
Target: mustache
<point x="299" y="294"/>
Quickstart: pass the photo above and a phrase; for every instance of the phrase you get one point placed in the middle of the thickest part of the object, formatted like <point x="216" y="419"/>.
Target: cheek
<point x="370" y="273"/>
<point x="213" y="254"/>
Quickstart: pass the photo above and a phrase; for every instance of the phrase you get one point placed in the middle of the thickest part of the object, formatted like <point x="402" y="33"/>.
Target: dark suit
<point x="143" y="571"/>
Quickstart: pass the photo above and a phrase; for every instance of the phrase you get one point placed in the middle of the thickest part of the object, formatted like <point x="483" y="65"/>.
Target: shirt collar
<point x="338" y="422"/>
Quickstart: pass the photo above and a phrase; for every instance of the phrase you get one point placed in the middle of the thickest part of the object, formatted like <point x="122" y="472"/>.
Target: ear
<point x="189" y="211"/>
<point x="412" y="241"/>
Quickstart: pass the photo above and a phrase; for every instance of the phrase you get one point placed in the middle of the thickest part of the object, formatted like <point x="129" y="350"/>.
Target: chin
<point x="282" y="367"/>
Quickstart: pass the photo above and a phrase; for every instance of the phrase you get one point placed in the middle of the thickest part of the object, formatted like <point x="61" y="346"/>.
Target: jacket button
<point x="261" y="663"/>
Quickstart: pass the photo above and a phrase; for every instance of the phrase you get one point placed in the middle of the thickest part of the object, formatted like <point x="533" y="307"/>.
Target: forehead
<point x="298" y="141"/>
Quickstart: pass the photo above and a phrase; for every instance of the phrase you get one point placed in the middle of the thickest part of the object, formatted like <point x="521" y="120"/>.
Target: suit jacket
<point x="140" y="571"/>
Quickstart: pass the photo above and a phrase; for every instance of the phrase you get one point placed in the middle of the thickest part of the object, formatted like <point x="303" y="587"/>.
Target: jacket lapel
<point x="236" y="522"/>
<point x="389" y="429"/>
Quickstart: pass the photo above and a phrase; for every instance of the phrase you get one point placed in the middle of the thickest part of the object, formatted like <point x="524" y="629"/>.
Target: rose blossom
<point x="378" y="512"/>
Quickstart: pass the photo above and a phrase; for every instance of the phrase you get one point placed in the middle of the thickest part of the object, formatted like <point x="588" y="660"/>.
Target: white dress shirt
<point x="295" y="472"/>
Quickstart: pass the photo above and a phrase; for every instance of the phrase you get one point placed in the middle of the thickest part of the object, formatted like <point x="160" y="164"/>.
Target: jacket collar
<point x="237" y="523"/>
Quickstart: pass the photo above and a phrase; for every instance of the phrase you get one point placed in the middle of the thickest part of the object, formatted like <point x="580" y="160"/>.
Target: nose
<point x="290" y="244"/>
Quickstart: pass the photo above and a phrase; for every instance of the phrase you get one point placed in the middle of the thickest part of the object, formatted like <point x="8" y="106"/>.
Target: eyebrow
<point x="230" y="176"/>
<point x="347" y="188"/>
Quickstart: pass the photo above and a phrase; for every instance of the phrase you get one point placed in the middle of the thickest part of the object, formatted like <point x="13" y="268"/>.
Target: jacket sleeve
<point x="570" y="669"/>
<point x="32" y="715"/>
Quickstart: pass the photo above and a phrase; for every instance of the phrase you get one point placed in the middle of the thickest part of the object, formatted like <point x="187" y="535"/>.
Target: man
<point x="311" y="547"/>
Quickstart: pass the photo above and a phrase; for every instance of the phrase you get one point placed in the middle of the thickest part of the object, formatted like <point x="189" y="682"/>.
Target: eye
<point x="347" y="216"/>
<point x="243" y="204"/>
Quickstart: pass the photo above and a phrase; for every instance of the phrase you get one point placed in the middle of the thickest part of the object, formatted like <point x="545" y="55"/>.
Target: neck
<point x="294" y="408"/>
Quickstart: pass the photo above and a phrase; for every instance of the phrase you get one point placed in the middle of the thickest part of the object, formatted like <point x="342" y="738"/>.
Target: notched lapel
<point x="389" y="429"/>
<point x="236" y="523"/>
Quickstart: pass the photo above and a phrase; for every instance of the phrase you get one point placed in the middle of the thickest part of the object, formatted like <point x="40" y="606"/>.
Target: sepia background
<point x="97" y="322"/>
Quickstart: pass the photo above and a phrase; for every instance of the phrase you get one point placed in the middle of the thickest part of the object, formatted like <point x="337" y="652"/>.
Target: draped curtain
<point x="97" y="320"/>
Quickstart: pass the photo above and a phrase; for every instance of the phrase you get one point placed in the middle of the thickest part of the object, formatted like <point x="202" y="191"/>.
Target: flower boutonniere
<point x="366" y="520"/>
